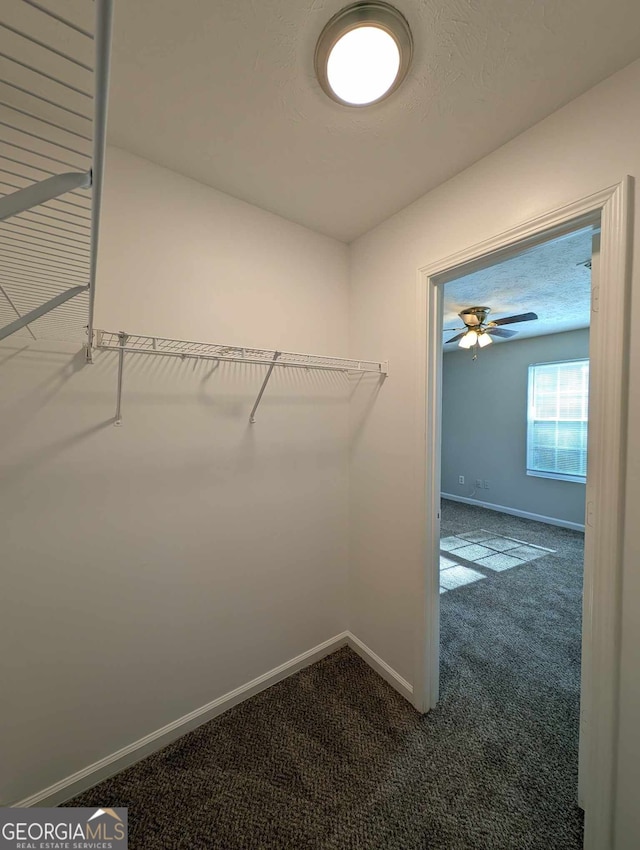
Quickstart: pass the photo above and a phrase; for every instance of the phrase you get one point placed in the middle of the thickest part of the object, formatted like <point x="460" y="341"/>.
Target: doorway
<point x="604" y="498"/>
<point x="513" y="471"/>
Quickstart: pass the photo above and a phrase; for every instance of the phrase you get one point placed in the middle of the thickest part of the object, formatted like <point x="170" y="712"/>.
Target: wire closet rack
<point x="54" y="71"/>
<point x="54" y="76"/>
<point x="125" y="343"/>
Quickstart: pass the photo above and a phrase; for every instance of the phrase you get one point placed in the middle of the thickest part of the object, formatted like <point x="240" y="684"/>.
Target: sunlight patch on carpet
<point x="486" y="549"/>
<point x="457" y="576"/>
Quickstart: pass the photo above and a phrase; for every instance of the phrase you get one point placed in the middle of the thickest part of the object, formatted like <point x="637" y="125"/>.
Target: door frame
<point x="605" y="482"/>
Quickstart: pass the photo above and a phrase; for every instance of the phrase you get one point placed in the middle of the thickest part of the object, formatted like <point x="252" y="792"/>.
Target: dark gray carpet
<point x="333" y="758"/>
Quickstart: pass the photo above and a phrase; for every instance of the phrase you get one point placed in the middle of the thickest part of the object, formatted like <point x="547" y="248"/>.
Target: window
<point x="557" y="420"/>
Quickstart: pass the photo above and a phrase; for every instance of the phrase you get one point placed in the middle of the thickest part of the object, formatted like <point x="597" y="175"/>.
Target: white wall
<point x="149" y="569"/>
<point x="588" y="145"/>
<point x="488" y="441"/>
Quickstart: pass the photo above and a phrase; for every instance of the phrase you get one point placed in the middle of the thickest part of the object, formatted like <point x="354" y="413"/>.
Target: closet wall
<point x="586" y="146"/>
<point x="151" y="568"/>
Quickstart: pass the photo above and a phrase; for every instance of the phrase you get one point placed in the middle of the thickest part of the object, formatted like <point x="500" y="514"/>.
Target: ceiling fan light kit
<point x="478" y="332"/>
<point x="468" y="340"/>
<point x="363" y="53"/>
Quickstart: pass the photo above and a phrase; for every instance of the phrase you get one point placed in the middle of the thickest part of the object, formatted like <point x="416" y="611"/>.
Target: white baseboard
<point x="86" y="778"/>
<point x="381" y="667"/>
<point x="89" y="776"/>
<point x="549" y="520"/>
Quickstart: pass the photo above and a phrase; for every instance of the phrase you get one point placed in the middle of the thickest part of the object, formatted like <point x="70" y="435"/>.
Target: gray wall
<point x="484" y="426"/>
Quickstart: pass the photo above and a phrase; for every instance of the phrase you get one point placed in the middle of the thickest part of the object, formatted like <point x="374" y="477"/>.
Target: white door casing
<point x="585" y="678"/>
<point x="605" y="486"/>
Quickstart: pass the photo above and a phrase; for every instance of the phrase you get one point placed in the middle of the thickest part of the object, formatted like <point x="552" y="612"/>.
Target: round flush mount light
<point x="363" y="53"/>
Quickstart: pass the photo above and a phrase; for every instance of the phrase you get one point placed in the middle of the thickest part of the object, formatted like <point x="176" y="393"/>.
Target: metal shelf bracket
<point x="252" y="417"/>
<point x="123" y="337"/>
<point x="40" y="193"/>
<point x="45" y="308"/>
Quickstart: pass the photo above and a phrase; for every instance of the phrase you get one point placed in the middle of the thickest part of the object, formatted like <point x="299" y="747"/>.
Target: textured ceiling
<point x="225" y="92"/>
<point x="550" y="280"/>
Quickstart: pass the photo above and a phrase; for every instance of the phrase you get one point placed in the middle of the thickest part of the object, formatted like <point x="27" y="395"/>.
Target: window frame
<point x="540" y="473"/>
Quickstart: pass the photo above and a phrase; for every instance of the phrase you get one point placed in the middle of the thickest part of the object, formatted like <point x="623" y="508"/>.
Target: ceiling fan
<point x="478" y="331"/>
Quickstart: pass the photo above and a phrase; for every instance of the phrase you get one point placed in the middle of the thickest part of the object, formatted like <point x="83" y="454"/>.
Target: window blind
<point x="557" y="419"/>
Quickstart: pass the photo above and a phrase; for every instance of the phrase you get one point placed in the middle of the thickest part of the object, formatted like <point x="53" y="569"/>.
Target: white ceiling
<point x="550" y="280"/>
<point x="225" y="92"/>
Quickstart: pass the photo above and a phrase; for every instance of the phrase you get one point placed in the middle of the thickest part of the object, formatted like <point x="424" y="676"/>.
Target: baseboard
<point x="381" y="667"/>
<point x="89" y="776"/>
<point x="549" y="520"/>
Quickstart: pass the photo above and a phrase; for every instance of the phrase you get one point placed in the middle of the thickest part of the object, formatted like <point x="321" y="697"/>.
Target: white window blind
<point x="557" y="420"/>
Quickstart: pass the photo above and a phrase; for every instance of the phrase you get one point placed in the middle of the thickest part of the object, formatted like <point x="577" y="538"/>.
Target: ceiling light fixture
<point x="477" y="331"/>
<point x="468" y="340"/>
<point x="363" y="53"/>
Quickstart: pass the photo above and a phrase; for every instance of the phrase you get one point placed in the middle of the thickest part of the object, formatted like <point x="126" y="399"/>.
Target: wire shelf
<point x="53" y="87"/>
<point x="124" y="343"/>
<point x="137" y="344"/>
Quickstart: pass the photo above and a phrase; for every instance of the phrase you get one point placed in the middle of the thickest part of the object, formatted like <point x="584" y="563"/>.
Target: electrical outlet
<point x="460" y="479"/>
<point x="479" y="483"/>
<point x="486" y="484"/>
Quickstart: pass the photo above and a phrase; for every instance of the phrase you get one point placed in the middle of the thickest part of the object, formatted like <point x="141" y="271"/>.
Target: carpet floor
<point x="334" y="758"/>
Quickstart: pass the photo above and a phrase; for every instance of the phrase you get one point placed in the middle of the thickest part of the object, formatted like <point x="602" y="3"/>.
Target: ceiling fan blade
<point x="503" y="333"/>
<point x="454" y="338"/>
<point x="446" y="330"/>
<point x="511" y="320"/>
